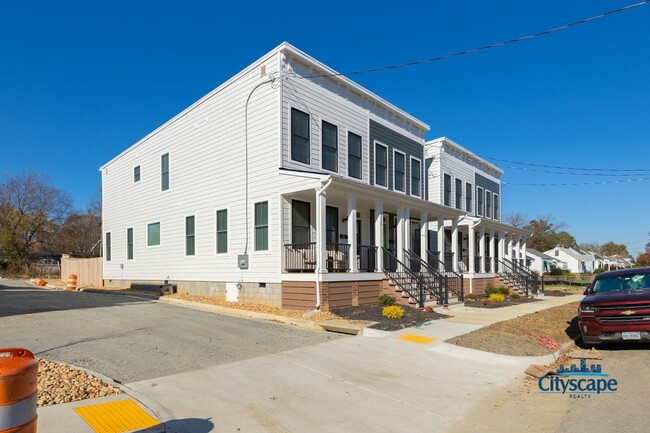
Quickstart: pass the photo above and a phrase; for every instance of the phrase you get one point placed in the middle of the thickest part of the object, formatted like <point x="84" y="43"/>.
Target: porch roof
<point x="491" y="224"/>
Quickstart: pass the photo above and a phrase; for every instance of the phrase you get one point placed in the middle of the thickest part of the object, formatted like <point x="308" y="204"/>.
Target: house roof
<point x="444" y="141"/>
<point x="578" y="255"/>
<point x="534" y="252"/>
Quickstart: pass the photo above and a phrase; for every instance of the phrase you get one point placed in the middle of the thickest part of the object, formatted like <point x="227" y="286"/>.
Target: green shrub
<point x="515" y="296"/>
<point x="471" y="297"/>
<point x="497" y="297"/>
<point x="503" y="290"/>
<point x="393" y="312"/>
<point x="490" y="290"/>
<point x="386" y="300"/>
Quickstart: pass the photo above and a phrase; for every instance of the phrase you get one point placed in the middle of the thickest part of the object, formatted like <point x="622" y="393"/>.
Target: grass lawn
<point x="526" y="335"/>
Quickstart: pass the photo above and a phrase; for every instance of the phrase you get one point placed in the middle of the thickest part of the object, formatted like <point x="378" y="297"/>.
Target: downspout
<point x="319" y="245"/>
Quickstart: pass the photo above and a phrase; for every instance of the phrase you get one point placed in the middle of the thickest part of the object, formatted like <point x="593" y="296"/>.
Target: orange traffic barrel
<point x="72" y="282"/>
<point x="18" y="391"/>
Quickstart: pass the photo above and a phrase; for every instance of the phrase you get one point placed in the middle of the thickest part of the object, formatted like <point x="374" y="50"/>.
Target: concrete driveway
<point x="129" y="338"/>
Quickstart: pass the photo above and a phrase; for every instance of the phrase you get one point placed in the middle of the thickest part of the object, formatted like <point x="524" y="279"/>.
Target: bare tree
<point x="546" y="235"/>
<point x="31" y="212"/>
<point x="80" y="235"/>
<point x="516" y="219"/>
<point x="590" y="247"/>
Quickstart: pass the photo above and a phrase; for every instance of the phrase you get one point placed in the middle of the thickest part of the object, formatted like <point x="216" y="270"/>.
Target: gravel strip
<point x="60" y="383"/>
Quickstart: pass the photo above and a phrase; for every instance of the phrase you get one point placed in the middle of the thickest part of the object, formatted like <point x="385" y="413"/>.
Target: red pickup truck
<point x="616" y="307"/>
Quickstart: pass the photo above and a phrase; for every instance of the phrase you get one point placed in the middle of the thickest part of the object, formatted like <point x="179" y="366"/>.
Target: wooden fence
<point x="88" y="271"/>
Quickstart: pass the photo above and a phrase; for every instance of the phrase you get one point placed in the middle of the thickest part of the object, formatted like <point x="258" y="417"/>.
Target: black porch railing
<point x="390" y="259"/>
<point x="454" y="281"/>
<point x="367" y="258"/>
<point x="302" y="257"/>
<point x="433" y="281"/>
<point x="518" y="276"/>
<point x="410" y="283"/>
<point x="449" y="260"/>
<point x="477" y="263"/>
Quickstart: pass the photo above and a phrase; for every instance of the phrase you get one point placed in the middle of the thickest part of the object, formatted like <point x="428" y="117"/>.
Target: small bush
<point x="471" y="297"/>
<point x="503" y="290"/>
<point x="515" y="296"/>
<point x="428" y="309"/>
<point x="386" y="300"/>
<point x="393" y="312"/>
<point x="497" y="297"/>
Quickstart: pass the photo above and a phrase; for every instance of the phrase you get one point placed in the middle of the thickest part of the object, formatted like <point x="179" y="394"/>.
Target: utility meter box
<point x="242" y="261"/>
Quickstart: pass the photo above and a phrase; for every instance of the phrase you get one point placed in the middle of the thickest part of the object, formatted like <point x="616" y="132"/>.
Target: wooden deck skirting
<point x="301" y="295"/>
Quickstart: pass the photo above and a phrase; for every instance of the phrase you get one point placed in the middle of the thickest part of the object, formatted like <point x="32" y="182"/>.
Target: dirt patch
<point x="373" y="313"/>
<point x="534" y="334"/>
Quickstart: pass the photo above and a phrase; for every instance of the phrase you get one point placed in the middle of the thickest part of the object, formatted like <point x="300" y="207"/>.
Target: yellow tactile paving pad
<point x="116" y="417"/>
<point x="420" y="339"/>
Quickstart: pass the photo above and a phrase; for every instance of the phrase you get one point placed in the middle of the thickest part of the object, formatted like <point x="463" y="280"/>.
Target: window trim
<point x="377" y="143"/>
<point x="255" y="226"/>
<point x="139" y="168"/>
<point x="108" y="247"/>
<point x="217" y="231"/>
<point x="162" y="173"/>
<point x="480" y="204"/>
<point x="395" y="152"/>
<point x="308" y="163"/>
<point x="412" y="158"/>
<point x="360" y="155"/>
<point x="159" y="244"/>
<point x="130" y="247"/>
<point x="322" y="146"/>
<point x="458" y="198"/>
<point x="186" y="235"/>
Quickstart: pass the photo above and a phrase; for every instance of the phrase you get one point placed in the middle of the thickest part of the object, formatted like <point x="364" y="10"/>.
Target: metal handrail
<point x="404" y="278"/>
<point x="454" y="279"/>
<point x="434" y="282"/>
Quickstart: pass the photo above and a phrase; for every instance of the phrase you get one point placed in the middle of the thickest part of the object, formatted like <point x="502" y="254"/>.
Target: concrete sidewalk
<point x="410" y="380"/>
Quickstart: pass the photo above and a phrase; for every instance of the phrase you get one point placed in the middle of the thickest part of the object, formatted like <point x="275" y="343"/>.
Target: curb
<point x="564" y="349"/>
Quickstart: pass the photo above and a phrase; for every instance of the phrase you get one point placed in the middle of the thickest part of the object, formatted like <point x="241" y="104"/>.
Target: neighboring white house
<point x="577" y="262"/>
<point x="289" y="185"/>
<point x="542" y="263"/>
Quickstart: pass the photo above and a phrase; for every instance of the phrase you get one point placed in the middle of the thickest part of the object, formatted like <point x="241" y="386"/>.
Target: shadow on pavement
<point x="186" y="425"/>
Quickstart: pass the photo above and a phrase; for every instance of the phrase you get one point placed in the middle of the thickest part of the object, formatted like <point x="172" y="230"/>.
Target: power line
<point x="484" y="47"/>
<point x="570" y="168"/>
<point x="604" y="182"/>
<point x="574" y="173"/>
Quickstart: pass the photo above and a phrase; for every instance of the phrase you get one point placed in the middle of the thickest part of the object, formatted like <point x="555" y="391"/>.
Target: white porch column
<point x="510" y="245"/>
<point x="471" y="240"/>
<point x="454" y="243"/>
<point x="502" y="247"/>
<point x="379" y="234"/>
<point x="352" y="232"/>
<point x="441" y="243"/>
<point x="321" y="253"/>
<point x="401" y="243"/>
<point x="523" y="249"/>
<point x="492" y="252"/>
<point x="407" y="230"/>
<point x="424" y="237"/>
<point x="518" y="249"/>
<point x="481" y="248"/>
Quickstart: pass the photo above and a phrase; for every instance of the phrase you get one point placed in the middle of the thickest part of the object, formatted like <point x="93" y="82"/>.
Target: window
<point x="331" y="224"/>
<point x="400" y="169"/>
<point x="136" y="174"/>
<point x="108" y="247"/>
<point x="262" y="226"/>
<point x="330" y="149"/>
<point x="381" y="165"/>
<point x="190" y="239"/>
<point x="459" y="194"/>
<point x="153" y="234"/>
<point x="488" y="204"/>
<point x="129" y="244"/>
<point x="299" y="136"/>
<point x="300" y="222"/>
<point x="354" y="155"/>
<point x="496" y="207"/>
<point x="447" y="192"/>
<point x="479" y="201"/>
<point x="222" y="231"/>
<point x="468" y="197"/>
<point x="415" y="177"/>
<point x="164" y="172"/>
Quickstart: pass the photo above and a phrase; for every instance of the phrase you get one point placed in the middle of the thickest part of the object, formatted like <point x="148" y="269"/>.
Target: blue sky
<point x="81" y="81"/>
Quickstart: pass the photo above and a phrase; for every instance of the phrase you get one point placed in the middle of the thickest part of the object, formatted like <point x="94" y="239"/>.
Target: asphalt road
<point x="524" y="408"/>
<point x="131" y="339"/>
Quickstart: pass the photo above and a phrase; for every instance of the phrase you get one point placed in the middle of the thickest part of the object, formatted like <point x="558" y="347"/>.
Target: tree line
<point x="38" y="218"/>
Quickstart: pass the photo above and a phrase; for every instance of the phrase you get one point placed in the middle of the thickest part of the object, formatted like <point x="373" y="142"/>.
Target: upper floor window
<point x="330" y="148"/>
<point x="354" y="155"/>
<point x="300" y="146"/>
<point x="153" y="234"/>
<point x="479" y="201"/>
<point x="488" y="204"/>
<point x="108" y="246"/>
<point x="496" y="207"/>
<point x="381" y="165"/>
<point x="447" y="190"/>
<point x="459" y="194"/>
<point x="262" y="226"/>
<point x="222" y="231"/>
<point x="468" y="197"/>
<point x="136" y="174"/>
<point x="416" y="170"/>
<point x="129" y="244"/>
<point x="190" y="236"/>
<point x="400" y="169"/>
<point x="164" y="172"/>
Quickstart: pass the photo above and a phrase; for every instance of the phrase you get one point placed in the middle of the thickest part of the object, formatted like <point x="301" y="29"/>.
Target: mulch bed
<point x="507" y="303"/>
<point x="556" y="293"/>
<point x="372" y="313"/>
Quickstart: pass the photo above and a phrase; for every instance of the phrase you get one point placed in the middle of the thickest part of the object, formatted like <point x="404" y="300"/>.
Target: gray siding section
<point x="394" y="140"/>
<point x="486" y="184"/>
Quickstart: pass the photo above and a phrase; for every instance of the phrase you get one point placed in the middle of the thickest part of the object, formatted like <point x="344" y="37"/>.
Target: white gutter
<point x="319" y="243"/>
